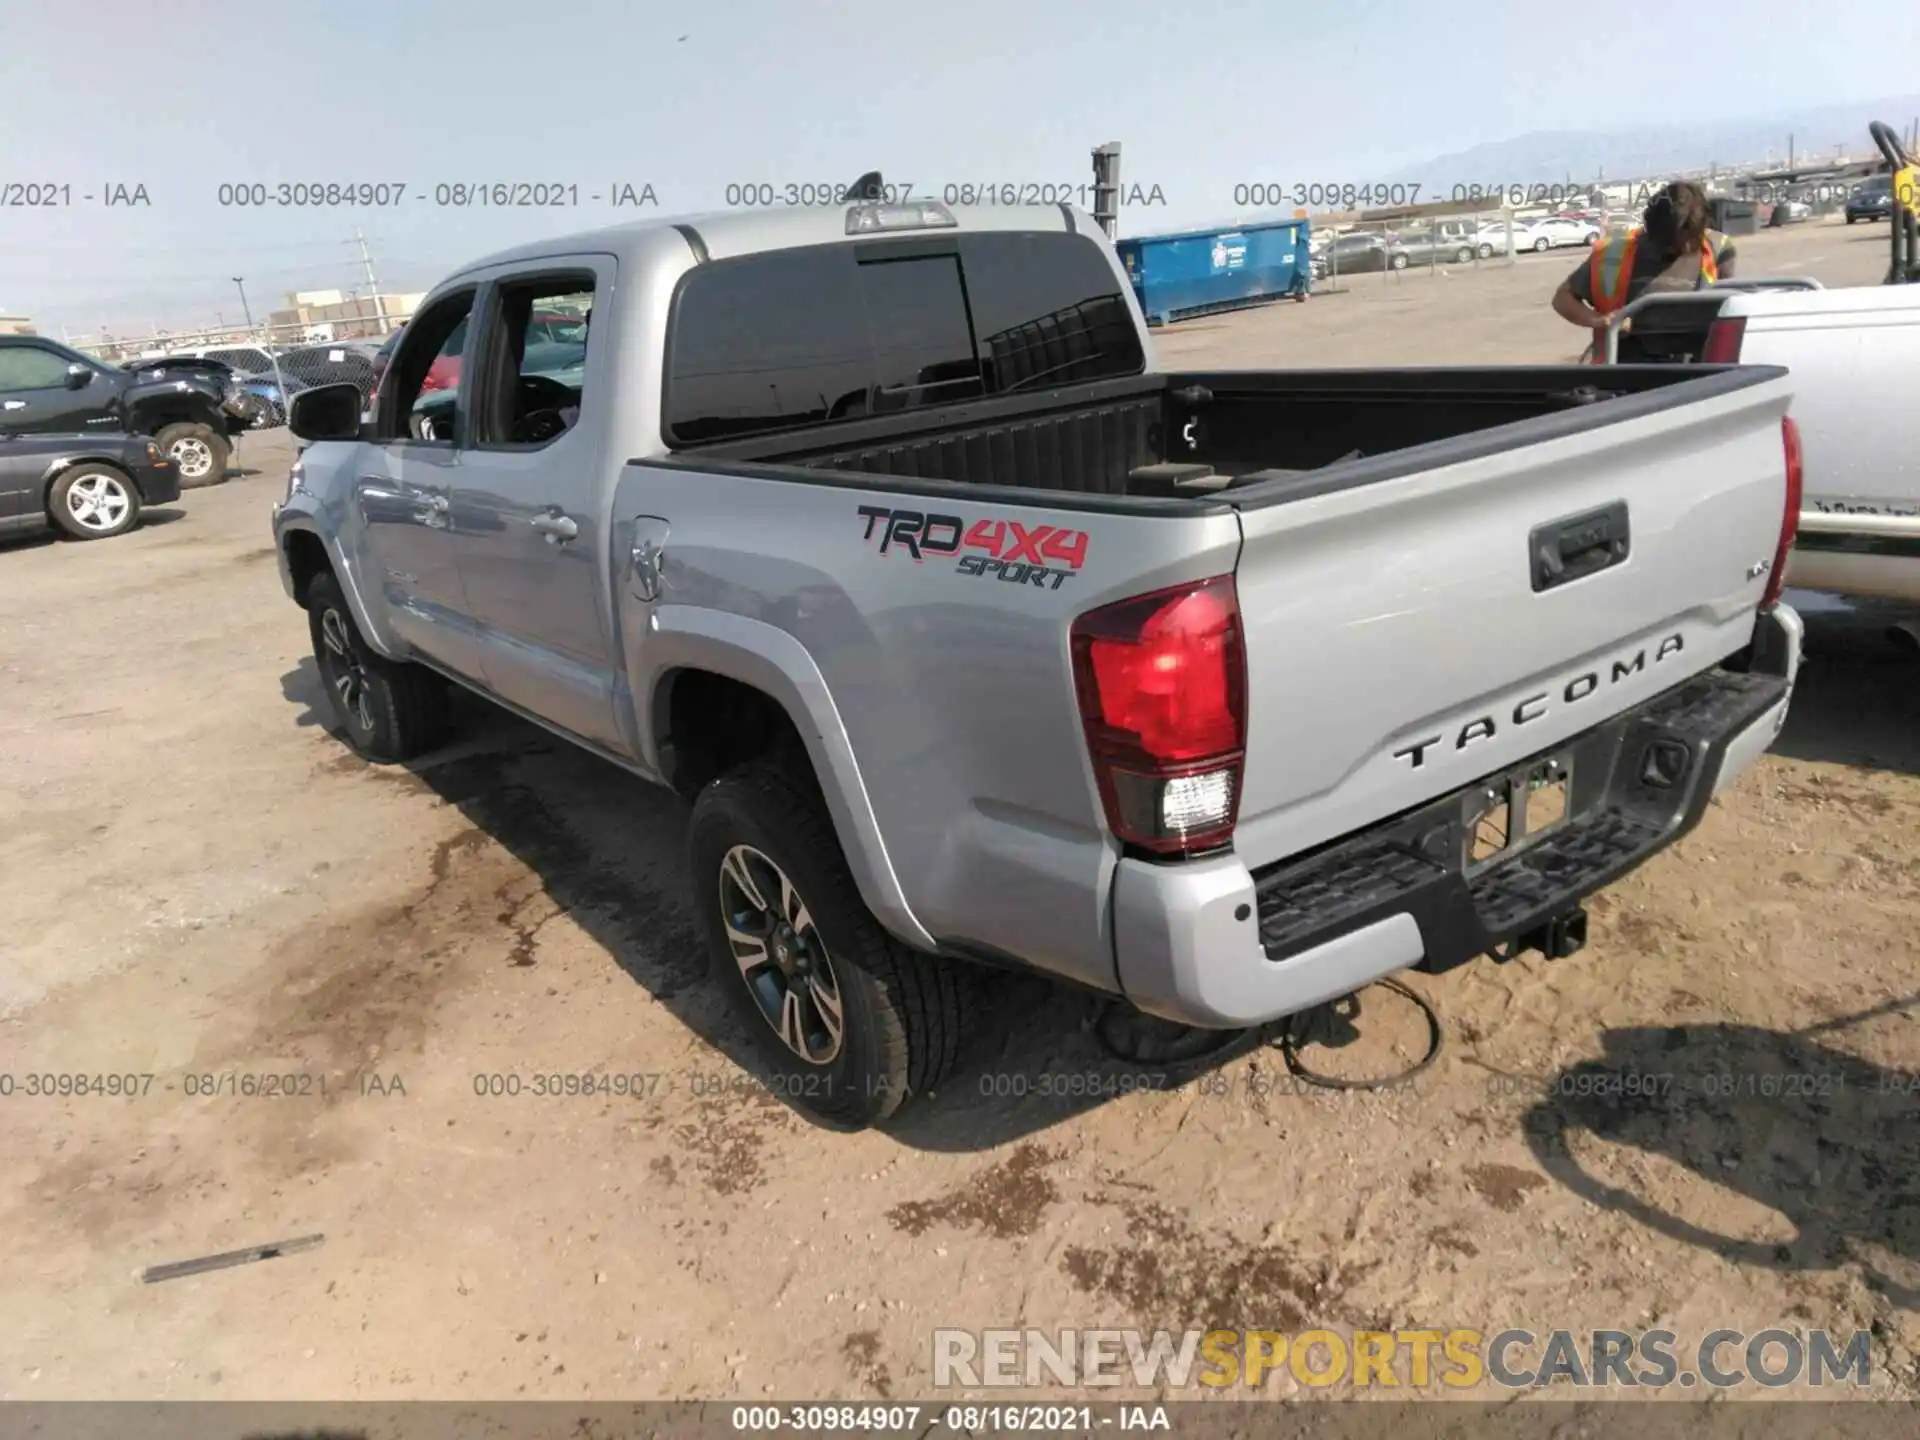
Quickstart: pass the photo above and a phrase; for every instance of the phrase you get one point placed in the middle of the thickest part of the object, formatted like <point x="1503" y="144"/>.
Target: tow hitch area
<point x="1560" y="937"/>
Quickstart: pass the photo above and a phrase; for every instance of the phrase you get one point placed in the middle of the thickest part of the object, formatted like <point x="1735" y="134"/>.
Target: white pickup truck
<point x="1853" y="354"/>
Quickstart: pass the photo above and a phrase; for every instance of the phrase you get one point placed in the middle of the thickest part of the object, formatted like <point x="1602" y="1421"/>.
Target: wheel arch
<point x="708" y="672"/>
<point x="305" y="551"/>
<point x="61" y="465"/>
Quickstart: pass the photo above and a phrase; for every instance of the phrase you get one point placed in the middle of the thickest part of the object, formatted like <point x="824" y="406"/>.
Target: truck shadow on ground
<point x="608" y="850"/>
<point x="1857" y="700"/>
<point x="1812" y="1151"/>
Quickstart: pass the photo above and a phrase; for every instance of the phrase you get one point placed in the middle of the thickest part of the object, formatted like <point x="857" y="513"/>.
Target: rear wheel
<point x="390" y="710"/>
<point x="851" y="1021"/>
<point x="1398" y="261"/>
<point x="92" y="502"/>
<point x="199" y="452"/>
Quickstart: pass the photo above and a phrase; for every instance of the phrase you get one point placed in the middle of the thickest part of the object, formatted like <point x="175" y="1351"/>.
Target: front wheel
<point x="389" y="710"/>
<point x="199" y="452"/>
<point x="850" y="1021"/>
<point x="1541" y="243"/>
<point x="92" y="502"/>
<point x="1463" y="256"/>
<point x="1486" y="252"/>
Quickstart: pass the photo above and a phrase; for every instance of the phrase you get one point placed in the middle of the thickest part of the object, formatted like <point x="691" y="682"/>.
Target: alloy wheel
<point x="782" y="959"/>
<point x="346" y="671"/>
<point x="194" y="457"/>
<point x="98" y="502"/>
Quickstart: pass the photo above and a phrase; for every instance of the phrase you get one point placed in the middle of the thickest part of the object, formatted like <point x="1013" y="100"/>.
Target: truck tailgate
<point x="1405" y="637"/>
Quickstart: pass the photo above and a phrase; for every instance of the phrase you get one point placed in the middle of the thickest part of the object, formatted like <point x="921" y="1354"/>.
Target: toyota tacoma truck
<point x="976" y="640"/>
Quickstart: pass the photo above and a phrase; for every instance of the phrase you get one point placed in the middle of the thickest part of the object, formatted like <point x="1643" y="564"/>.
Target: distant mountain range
<point x="1550" y="156"/>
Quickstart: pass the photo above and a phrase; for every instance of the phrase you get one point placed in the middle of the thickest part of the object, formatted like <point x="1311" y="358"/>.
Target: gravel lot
<point x="201" y="881"/>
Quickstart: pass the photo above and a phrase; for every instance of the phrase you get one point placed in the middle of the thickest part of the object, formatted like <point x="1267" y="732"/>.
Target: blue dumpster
<point x="1197" y="272"/>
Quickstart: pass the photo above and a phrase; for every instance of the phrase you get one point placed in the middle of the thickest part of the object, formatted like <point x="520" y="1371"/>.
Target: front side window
<point x="535" y="373"/>
<point x="28" y="367"/>
<point x="421" y="389"/>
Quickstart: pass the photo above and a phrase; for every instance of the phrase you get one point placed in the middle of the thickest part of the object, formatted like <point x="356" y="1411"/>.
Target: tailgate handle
<point x="1579" y="546"/>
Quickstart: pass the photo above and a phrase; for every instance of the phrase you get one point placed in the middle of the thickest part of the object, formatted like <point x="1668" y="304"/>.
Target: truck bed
<point x="1278" y="430"/>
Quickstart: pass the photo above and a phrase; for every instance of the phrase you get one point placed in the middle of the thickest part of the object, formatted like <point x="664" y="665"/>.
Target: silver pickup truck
<point x="973" y="639"/>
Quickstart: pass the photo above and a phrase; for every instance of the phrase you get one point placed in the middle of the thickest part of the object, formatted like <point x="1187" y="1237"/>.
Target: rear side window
<point x="799" y="338"/>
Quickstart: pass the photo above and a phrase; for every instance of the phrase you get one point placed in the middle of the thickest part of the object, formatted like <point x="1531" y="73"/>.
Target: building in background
<point x="323" y="315"/>
<point x="16" y="325"/>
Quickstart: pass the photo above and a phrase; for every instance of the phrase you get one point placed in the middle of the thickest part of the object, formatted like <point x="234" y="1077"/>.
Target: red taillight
<point x="1162" y="683"/>
<point x="1723" y="342"/>
<point x="1790" y="517"/>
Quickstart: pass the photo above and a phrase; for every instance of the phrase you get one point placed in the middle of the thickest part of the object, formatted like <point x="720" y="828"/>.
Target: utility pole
<point x="245" y="308"/>
<point x="373" y="285"/>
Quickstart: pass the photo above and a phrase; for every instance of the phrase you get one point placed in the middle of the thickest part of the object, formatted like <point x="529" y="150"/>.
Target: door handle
<point x="557" y="528"/>
<point x="1580" y="545"/>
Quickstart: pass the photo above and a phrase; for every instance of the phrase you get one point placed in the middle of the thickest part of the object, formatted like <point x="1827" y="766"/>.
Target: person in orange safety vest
<point x="1672" y="249"/>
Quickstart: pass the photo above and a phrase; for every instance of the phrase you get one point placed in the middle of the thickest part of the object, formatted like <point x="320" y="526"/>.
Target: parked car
<point x="88" y="487"/>
<point x="1351" y="254"/>
<point x="1553" y="232"/>
<point x="49" y="388"/>
<point x="1490" y="238"/>
<point x="1872" y="200"/>
<point x="273" y="397"/>
<point x="1154" y="682"/>
<point x="1427" y="247"/>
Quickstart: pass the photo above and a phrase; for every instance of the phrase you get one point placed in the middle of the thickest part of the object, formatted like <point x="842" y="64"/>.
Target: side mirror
<point x="79" y="376"/>
<point x="326" y="412"/>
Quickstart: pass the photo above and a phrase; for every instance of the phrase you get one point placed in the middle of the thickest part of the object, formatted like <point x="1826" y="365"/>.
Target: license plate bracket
<point x="1515" y="811"/>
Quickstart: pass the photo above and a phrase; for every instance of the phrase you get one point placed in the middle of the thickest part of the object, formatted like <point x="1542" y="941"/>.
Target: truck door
<point x="45" y="392"/>
<point x="530" y="533"/>
<point x="404" y="492"/>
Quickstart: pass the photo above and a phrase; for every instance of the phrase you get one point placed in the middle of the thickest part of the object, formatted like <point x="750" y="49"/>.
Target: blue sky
<point x="182" y="96"/>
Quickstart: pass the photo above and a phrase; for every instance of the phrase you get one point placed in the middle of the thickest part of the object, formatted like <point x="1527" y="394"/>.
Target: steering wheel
<point x="540" y="402"/>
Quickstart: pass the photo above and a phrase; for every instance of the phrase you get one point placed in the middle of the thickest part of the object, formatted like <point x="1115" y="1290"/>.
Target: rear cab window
<point x="793" y="339"/>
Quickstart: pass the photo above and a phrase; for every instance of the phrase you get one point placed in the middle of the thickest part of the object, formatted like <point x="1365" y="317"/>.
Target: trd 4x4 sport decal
<point x="1009" y="550"/>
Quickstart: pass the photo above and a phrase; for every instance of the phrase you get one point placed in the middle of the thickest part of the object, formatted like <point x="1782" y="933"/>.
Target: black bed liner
<point x="1262" y="427"/>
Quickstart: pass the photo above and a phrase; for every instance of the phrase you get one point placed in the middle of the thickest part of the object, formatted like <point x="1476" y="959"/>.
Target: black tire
<point x="389" y="711"/>
<point x="903" y="1015"/>
<point x="1463" y="256"/>
<point x="1486" y="251"/>
<point x="203" y="456"/>
<point x="93" y="502"/>
<point x="1541" y="244"/>
<point x="1399" y="261"/>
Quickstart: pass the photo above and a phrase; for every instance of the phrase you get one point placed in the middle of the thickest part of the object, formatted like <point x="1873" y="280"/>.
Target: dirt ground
<point x="200" y="881"/>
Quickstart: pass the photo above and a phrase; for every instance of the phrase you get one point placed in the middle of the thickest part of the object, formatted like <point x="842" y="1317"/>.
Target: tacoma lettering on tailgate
<point x="1535" y="707"/>
<point x="1008" y="550"/>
